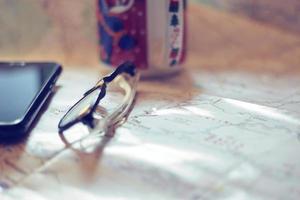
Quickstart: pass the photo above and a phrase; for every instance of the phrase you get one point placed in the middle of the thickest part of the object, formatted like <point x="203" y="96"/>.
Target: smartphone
<point x="24" y="88"/>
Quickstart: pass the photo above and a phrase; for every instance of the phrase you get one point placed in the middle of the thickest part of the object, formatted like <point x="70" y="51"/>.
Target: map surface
<point x="218" y="138"/>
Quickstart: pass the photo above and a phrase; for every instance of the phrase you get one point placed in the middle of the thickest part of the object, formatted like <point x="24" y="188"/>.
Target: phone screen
<point x="20" y="84"/>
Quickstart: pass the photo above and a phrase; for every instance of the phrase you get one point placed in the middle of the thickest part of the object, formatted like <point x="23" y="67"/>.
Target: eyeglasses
<point x="88" y="110"/>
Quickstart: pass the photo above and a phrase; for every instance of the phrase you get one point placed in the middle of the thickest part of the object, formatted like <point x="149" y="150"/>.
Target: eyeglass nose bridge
<point x="92" y="118"/>
<point x="89" y="120"/>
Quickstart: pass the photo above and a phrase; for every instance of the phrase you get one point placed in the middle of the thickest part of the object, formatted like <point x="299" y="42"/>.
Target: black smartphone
<point x="24" y="88"/>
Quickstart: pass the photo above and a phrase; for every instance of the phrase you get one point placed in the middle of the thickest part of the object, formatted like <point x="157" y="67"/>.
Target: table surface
<point x="227" y="127"/>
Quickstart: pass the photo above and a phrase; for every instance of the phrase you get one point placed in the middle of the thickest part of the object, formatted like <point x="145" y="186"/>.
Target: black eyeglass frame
<point x="87" y="118"/>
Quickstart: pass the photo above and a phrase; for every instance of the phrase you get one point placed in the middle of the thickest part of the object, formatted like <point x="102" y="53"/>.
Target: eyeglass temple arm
<point x="127" y="67"/>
